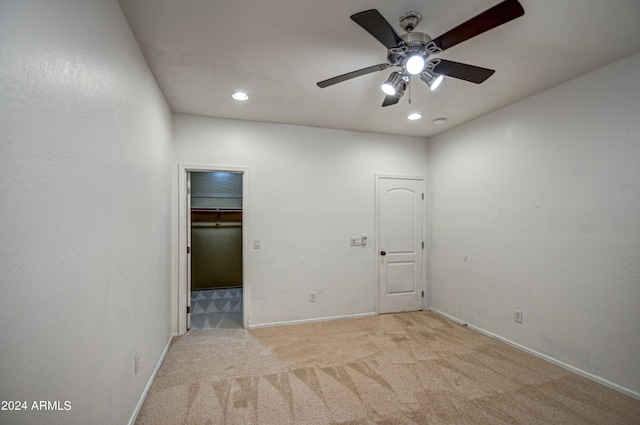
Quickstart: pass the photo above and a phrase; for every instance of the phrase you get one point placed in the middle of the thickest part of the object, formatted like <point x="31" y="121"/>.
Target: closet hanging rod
<point x="221" y="210"/>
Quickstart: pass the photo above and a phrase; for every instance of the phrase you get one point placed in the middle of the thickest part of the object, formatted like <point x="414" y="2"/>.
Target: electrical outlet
<point x="517" y="316"/>
<point x="137" y="361"/>
<point x="355" y="241"/>
<point x="313" y="297"/>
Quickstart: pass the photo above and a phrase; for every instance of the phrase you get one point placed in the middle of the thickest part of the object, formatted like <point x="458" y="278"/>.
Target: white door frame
<point x="425" y="213"/>
<point x="184" y="297"/>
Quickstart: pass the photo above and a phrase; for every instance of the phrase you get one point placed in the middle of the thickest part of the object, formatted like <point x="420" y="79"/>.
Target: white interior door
<point x="401" y="221"/>
<point x="188" y="250"/>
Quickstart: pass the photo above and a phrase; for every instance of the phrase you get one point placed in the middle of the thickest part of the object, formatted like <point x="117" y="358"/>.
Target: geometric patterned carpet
<point x="393" y="369"/>
<point x="216" y="309"/>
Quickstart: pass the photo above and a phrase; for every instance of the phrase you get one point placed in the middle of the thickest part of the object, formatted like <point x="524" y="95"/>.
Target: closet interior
<point x="216" y="249"/>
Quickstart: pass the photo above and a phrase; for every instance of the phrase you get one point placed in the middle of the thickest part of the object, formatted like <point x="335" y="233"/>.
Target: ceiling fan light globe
<point x="388" y="89"/>
<point x="393" y="84"/>
<point x="415" y="64"/>
<point x="436" y="82"/>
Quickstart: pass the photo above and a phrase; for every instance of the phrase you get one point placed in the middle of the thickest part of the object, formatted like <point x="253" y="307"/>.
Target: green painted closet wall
<point x="216" y="230"/>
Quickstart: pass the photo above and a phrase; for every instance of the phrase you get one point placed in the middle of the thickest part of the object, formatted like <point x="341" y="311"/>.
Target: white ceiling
<point x="276" y="50"/>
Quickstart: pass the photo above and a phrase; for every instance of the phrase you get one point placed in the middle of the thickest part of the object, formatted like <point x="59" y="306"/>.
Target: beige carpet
<point x="411" y="368"/>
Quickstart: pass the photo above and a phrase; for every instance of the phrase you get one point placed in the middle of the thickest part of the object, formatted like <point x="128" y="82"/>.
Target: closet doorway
<point x="212" y="260"/>
<point x="216" y="249"/>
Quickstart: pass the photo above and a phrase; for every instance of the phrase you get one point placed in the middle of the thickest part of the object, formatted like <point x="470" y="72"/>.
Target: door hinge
<point x="189" y="307"/>
<point x="422" y="245"/>
<point x="423" y="196"/>
<point x="422" y="294"/>
<point x="188" y="250"/>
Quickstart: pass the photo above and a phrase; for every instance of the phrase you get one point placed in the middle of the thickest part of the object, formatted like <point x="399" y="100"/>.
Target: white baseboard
<point x="134" y="416"/>
<point x="550" y="359"/>
<point x="319" y="319"/>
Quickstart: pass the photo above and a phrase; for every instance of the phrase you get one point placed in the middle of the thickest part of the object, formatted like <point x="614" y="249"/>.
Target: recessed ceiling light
<point x="414" y="116"/>
<point x="240" y="95"/>
<point x="439" y="121"/>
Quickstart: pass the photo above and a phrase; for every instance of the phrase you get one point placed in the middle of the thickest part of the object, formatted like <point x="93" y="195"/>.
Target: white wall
<point x="543" y="197"/>
<point x="85" y="235"/>
<point x="310" y="190"/>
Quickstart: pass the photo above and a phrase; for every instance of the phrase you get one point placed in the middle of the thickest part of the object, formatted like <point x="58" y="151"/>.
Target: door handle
<point x="383" y="253"/>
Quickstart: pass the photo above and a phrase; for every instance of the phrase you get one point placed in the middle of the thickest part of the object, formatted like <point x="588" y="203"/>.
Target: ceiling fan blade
<point x="352" y="74"/>
<point x="462" y="71"/>
<point x="390" y="100"/>
<point x="489" y="19"/>
<point x="372" y="21"/>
